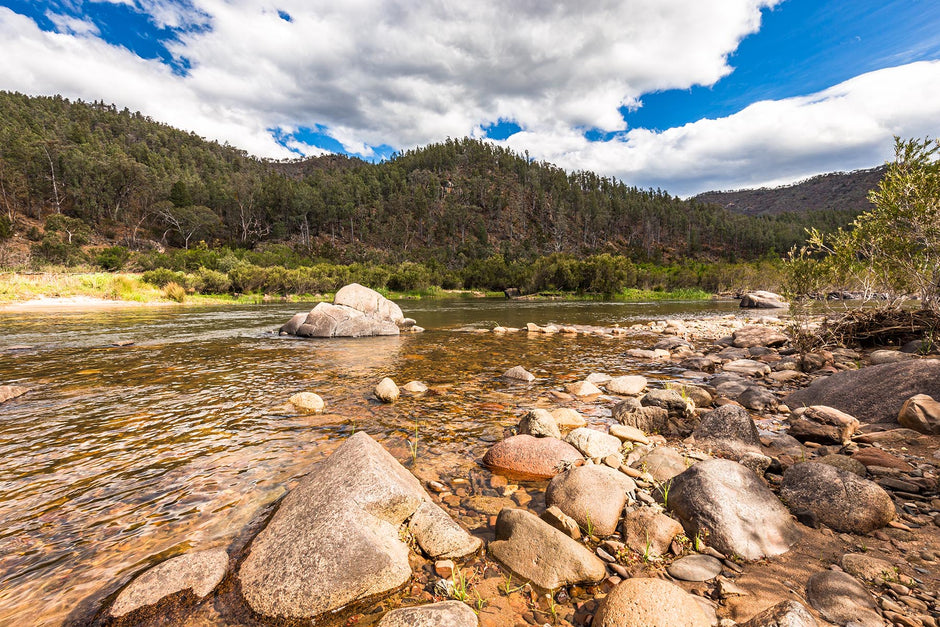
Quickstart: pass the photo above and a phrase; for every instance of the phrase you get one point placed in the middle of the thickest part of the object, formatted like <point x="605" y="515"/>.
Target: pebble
<point x="695" y="568"/>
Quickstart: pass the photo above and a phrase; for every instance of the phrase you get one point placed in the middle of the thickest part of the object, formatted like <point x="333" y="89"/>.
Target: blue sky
<point x="686" y="95"/>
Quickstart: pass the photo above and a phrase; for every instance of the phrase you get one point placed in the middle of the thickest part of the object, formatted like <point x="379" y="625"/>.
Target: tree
<point x="894" y="247"/>
<point x="187" y="222"/>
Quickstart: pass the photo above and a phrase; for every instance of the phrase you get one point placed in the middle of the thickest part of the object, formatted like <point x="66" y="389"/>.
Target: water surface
<point x="121" y="455"/>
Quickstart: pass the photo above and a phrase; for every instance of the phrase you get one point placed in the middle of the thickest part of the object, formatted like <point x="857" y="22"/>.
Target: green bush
<point x="112" y="258"/>
<point x="161" y="277"/>
<point x="206" y="281"/>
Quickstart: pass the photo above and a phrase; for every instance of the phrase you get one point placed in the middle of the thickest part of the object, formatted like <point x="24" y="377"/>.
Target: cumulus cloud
<point x="768" y="143"/>
<point x="391" y="72"/>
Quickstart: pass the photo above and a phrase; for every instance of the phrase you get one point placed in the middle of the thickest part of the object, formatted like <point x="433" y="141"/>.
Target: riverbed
<point x="147" y="432"/>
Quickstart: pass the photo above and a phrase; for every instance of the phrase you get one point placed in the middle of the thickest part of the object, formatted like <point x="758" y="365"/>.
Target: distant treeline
<point x="451" y="207"/>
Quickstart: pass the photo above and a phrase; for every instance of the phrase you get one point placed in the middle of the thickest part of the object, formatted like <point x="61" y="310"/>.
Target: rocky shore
<point x="755" y="485"/>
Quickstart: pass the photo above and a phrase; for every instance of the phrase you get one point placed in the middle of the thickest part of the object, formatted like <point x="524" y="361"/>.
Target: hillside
<point x="841" y="192"/>
<point x="132" y="180"/>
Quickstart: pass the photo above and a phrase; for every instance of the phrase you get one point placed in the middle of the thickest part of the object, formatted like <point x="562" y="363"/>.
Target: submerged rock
<point x="199" y="572"/>
<point x="307" y="401"/>
<point x="336" y="537"/>
<point x="520" y="374"/>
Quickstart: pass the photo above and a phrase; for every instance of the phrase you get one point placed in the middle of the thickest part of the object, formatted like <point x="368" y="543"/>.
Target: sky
<point x="682" y="95"/>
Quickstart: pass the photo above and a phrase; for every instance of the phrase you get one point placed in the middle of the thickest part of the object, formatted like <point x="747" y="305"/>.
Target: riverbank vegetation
<point x="89" y="187"/>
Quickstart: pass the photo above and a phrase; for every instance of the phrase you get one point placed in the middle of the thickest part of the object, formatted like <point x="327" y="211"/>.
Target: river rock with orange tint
<point x="528" y="457"/>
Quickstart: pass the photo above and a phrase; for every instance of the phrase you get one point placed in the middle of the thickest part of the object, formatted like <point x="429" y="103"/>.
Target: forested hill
<point x="135" y="179"/>
<point x="838" y="191"/>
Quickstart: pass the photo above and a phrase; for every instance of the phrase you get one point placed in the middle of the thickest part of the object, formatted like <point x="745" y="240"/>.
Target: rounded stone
<point x="386" y="391"/>
<point x="695" y="568"/>
<point x="592" y="495"/>
<point x="567" y="418"/>
<point x="630" y="385"/>
<point x="443" y="614"/>
<point x="837" y="498"/>
<point x="642" y="602"/>
<point x="540" y="423"/>
<point x="593" y="443"/>
<point x="528" y="457"/>
<point x="842" y="600"/>
<point x="307" y="401"/>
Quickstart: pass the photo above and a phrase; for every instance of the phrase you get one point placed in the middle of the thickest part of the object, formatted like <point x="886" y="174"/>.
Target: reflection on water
<point x="118" y="455"/>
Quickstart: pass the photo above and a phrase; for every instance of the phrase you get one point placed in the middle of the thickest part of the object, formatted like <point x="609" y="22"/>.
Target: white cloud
<point x="768" y="143"/>
<point x="400" y="73"/>
<point x="72" y="25"/>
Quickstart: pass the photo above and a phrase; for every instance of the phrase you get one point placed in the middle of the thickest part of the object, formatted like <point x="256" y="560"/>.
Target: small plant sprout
<point x="648" y="549"/>
<point x="589" y="524"/>
<point x="663" y="487"/>
<point x="461" y="590"/>
<point x="508" y="587"/>
<point x="413" y="444"/>
<point x="480" y="603"/>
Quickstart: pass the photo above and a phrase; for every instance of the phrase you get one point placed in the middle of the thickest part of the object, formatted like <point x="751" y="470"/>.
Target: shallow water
<point x="119" y="456"/>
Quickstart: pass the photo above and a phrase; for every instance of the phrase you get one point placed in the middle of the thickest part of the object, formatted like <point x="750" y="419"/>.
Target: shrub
<point x="112" y="258"/>
<point x="174" y="291"/>
<point x="163" y="276"/>
<point x="206" y="281"/>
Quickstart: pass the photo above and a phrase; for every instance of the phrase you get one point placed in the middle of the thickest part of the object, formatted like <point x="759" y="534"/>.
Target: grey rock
<point x="592" y="495"/>
<point x="868" y="567"/>
<point x="439" y="536"/>
<point x="842" y="600"/>
<point x="649" y="419"/>
<point x="757" y="398"/>
<point x="593" y="443"/>
<point x="520" y="374"/>
<point x="763" y="300"/>
<point x="843" y="462"/>
<point x="200" y="572"/>
<point x="728" y="430"/>
<point x="738" y="510"/>
<point x="335" y="538"/>
<point x="540" y="423"/>
<point x="699" y="396"/>
<point x="819" y="423"/>
<point x="784" y="614"/>
<point x="290" y="328"/>
<point x="874" y="393"/>
<point x="541" y="554"/>
<point x="837" y="498"/>
<point x="695" y="568"/>
<point x="369" y="302"/>
<point x="326" y="320"/>
<point x="642" y="602"/>
<point x="671" y="401"/>
<point x="443" y="614"/>
<point x="748" y="367"/>
<point x="888" y="357"/>
<point x="782" y="444"/>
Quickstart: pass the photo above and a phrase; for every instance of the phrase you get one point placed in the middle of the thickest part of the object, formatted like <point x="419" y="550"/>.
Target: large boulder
<point x="642" y="602"/>
<point x="921" y="413"/>
<point x="842" y="600"/>
<point x="728" y="430"/>
<point x="443" y="614"/>
<point x="763" y="300"/>
<point x="199" y="572"/>
<point x="326" y="320"/>
<point x="356" y="311"/>
<point x="369" y="302"/>
<point x="737" y="510"/>
<point x="663" y="463"/>
<point x="874" y="393"/>
<point x="336" y="537"/>
<point x="837" y="498"/>
<point x="592" y="495"/>
<point x="537" y="552"/>
<point x="529" y="457"/>
<point x="819" y="423"/>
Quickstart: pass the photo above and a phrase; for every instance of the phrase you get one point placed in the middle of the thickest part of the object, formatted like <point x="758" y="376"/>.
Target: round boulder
<point x="842" y="600"/>
<point x="921" y="413"/>
<point x="837" y="498"/>
<point x="728" y="430"/>
<point x="630" y="385"/>
<point x="737" y="510"/>
<point x="386" y="391"/>
<point x="642" y="602"/>
<point x="593" y="495"/>
<point x="528" y="457"/>
<point x="307" y="401"/>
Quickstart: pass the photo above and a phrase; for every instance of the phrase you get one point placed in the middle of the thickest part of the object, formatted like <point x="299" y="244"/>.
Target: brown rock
<point x="8" y="392"/>
<point x="921" y="413"/>
<point x="592" y="495"/>
<point x="649" y="532"/>
<point x="819" y="423"/>
<point x="841" y="599"/>
<point x="784" y="614"/>
<point x="749" y="336"/>
<point x="873" y="456"/>
<point x="874" y="393"/>
<point x="528" y="457"/>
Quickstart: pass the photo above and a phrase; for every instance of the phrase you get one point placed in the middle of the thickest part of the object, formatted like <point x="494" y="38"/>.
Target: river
<point x="122" y="455"/>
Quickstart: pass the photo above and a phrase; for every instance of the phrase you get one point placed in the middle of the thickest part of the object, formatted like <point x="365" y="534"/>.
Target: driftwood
<point x="882" y="327"/>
